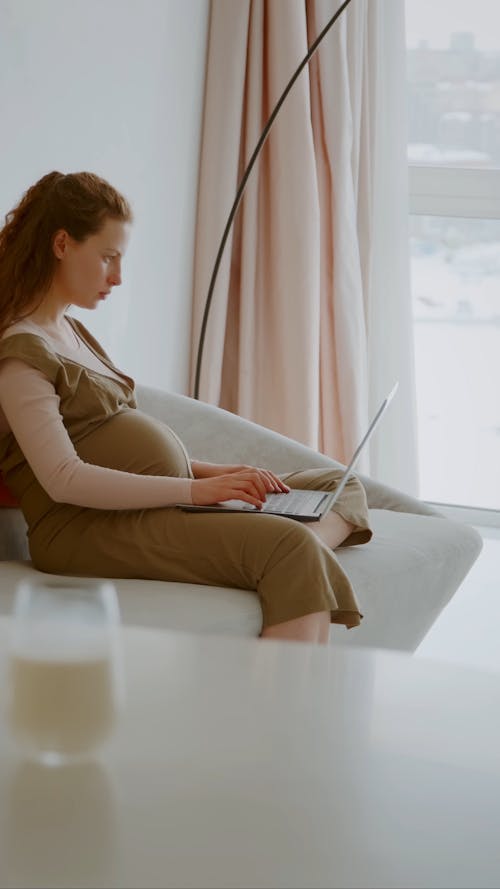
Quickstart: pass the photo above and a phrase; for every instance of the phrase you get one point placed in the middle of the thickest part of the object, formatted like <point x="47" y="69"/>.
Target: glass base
<point x="53" y="759"/>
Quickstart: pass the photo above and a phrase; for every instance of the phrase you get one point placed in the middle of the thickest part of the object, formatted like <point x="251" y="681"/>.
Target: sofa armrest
<point x="216" y="435"/>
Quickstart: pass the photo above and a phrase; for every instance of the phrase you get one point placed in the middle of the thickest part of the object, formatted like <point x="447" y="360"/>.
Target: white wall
<point x="115" y="87"/>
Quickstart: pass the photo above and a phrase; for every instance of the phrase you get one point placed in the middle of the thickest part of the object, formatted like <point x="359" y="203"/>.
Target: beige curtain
<point x="287" y="342"/>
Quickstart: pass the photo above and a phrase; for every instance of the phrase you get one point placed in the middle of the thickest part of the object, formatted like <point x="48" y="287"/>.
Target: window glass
<point x="453" y="57"/>
<point x="455" y="273"/>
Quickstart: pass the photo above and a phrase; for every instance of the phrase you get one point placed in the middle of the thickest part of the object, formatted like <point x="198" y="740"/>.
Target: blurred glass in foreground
<point x="66" y="682"/>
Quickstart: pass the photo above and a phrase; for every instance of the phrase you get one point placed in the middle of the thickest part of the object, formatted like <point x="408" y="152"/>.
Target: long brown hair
<point x="79" y="203"/>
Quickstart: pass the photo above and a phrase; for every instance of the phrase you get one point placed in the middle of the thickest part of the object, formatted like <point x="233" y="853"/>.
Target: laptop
<point x="302" y="505"/>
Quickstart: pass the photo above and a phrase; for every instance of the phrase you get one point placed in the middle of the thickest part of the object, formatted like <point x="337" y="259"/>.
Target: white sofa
<point x="403" y="578"/>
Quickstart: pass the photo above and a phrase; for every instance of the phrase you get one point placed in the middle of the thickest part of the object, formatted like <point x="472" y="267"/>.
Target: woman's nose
<point x="115" y="278"/>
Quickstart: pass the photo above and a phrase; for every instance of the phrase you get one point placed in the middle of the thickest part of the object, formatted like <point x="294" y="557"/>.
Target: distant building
<point x="462" y="41"/>
<point x="454" y="104"/>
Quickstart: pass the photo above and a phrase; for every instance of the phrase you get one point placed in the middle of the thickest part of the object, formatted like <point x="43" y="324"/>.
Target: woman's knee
<point x="294" y="541"/>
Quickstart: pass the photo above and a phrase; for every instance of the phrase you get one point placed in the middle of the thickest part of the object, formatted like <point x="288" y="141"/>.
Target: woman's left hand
<point x="272" y="483"/>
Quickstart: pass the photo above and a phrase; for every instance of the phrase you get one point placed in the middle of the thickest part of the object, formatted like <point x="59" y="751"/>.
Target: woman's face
<point x="87" y="272"/>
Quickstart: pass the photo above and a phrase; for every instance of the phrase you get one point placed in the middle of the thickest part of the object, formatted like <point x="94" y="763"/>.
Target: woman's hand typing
<point x="246" y="483"/>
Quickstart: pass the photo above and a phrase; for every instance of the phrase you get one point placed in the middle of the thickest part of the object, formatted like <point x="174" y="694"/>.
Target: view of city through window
<point x="454" y="122"/>
<point x="454" y="104"/>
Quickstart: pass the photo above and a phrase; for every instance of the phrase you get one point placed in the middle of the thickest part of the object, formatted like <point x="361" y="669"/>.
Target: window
<point x="453" y="58"/>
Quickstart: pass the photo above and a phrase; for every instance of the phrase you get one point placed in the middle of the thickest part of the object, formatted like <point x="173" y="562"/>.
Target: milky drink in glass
<point x="65" y="676"/>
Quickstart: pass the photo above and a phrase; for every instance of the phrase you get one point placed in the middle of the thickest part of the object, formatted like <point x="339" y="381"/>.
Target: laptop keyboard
<point x="294" y="503"/>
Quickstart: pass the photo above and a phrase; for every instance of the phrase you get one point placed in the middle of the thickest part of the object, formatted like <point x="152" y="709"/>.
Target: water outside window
<point x="453" y="55"/>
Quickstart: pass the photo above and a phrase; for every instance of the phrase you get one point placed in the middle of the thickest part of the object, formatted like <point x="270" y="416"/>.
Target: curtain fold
<point x="336" y="98"/>
<point x="272" y="320"/>
<point x="310" y="321"/>
<point x="218" y="179"/>
<point x="390" y="344"/>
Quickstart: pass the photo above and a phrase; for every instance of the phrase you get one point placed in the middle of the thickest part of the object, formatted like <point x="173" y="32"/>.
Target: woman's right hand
<point x="250" y="485"/>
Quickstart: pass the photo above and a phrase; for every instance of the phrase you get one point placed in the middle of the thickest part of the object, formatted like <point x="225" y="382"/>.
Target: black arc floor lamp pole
<point x="241" y="187"/>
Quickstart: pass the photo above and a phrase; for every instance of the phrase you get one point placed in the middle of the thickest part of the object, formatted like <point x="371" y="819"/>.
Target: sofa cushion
<point x="403" y="578"/>
<point x="406" y="575"/>
<point x="158" y="604"/>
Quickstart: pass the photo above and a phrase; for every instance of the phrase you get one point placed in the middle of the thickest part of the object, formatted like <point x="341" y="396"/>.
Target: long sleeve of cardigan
<point x="30" y="406"/>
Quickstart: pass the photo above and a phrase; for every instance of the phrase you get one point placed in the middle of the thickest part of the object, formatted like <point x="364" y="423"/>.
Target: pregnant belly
<point x="134" y="442"/>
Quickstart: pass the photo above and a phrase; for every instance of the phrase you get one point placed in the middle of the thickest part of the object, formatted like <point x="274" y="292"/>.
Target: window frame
<point x="454" y="191"/>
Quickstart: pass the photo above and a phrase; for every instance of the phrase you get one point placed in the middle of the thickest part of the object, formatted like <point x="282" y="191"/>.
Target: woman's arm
<point x="31" y="407"/>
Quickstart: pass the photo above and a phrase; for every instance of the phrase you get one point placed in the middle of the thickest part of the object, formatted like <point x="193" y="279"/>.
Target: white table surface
<point x="251" y="763"/>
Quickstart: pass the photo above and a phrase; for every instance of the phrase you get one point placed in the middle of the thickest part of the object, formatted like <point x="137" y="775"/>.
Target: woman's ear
<point x="60" y="242"/>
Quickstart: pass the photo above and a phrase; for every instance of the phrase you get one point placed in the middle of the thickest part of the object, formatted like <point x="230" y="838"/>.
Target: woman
<point x="96" y="478"/>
